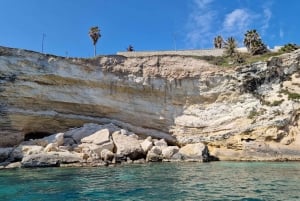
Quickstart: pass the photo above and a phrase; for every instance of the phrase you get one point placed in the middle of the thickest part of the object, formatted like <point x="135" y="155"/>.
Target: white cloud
<point x="206" y="21"/>
<point x="200" y="24"/>
<point x="202" y="3"/>
<point x="267" y="17"/>
<point x="238" y="20"/>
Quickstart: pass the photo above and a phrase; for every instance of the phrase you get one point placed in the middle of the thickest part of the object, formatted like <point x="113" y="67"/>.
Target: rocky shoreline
<point x="97" y="145"/>
<point x="243" y="113"/>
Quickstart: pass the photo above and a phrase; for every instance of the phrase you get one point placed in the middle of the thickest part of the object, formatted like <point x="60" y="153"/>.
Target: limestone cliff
<point x="249" y="112"/>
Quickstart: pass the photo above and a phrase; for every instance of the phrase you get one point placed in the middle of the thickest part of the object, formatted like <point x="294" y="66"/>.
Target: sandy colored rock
<point x="194" y="151"/>
<point x="98" y="138"/>
<point x="51" y="147"/>
<point x="127" y="146"/>
<point x="31" y="149"/>
<point x="181" y="99"/>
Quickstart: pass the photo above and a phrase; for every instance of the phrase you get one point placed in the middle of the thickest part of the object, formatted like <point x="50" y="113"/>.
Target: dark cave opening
<point x="35" y="135"/>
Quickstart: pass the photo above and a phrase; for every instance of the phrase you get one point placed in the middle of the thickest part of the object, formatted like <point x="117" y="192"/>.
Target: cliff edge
<point x="249" y="112"/>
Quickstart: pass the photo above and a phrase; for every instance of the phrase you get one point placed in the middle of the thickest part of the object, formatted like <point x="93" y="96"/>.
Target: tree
<point x="218" y="42"/>
<point x="253" y="43"/>
<point x="289" y="47"/>
<point x="94" y="33"/>
<point x="130" y="48"/>
<point x="230" y="46"/>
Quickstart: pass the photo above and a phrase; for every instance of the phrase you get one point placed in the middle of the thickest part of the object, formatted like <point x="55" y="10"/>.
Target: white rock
<point x="168" y="152"/>
<point x="147" y="144"/>
<point x="107" y="155"/>
<point x="161" y="143"/>
<point x="56" y="138"/>
<point x="154" y="155"/>
<point x="50" y="159"/>
<point x="97" y="148"/>
<point x="156" y="149"/>
<point x="13" y="165"/>
<point x="51" y="147"/>
<point x="127" y="146"/>
<point x="98" y="138"/>
<point x="78" y="133"/>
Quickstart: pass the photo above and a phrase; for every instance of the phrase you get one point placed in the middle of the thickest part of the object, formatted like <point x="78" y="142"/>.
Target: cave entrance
<point x="35" y="135"/>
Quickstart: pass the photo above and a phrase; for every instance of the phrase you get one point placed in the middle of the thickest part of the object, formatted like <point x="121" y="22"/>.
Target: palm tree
<point x="94" y="33"/>
<point x="254" y="43"/>
<point x="218" y="42"/>
<point x="230" y="46"/>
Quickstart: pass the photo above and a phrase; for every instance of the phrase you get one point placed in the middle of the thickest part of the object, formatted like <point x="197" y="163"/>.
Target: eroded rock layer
<point x="245" y="113"/>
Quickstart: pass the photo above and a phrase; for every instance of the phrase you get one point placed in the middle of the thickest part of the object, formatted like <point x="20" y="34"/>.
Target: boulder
<point x="154" y="155"/>
<point x="168" y="152"/>
<point x="157" y="150"/>
<point x="92" y="149"/>
<point x="56" y="138"/>
<point x="161" y="143"/>
<point x="147" y="144"/>
<point x="68" y="141"/>
<point x="5" y="153"/>
<point x="30" y="149"/>
<point x="13" y="165"/>
<point x="176" y="157"/>
<point x="196" y="151"/>
<point x="127" y="146"/>
<point x="87" y="130"/>
<point x="100" y="137"/>
<point x="78" y="133"/>
<point x="51" y="147"/>
<point x="107" y="155"/>
<point x="50" y="159"/>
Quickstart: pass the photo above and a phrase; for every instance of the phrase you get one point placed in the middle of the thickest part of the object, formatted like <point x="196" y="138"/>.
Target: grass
<point x="291" y="95"/>
<point x="263" y="57"/>
<point x="226" y="61"/>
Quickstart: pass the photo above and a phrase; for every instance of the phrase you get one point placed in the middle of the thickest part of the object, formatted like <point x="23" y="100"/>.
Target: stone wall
<point x="207" y="52"/>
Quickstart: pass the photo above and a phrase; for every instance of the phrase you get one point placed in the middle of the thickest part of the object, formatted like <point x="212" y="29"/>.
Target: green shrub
<point x="289" y="47"/>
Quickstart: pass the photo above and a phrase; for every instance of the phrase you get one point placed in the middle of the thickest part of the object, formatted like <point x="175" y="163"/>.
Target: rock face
<point x="249" y="112"/>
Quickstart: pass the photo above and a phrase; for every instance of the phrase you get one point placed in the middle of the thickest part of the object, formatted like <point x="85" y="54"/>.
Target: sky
<point x="145" y="24"/>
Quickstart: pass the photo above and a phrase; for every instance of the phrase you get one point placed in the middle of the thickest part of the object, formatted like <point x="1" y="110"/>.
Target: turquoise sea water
<point x="158" y="181"/>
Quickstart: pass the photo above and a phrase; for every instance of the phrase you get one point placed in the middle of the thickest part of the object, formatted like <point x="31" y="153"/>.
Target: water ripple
<point x="158" y="181"/>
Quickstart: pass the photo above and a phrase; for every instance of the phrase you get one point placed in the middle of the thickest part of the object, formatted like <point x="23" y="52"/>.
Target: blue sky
<point x="146" y="24"/>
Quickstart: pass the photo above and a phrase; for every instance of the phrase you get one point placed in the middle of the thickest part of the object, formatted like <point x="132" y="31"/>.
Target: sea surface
<point x="157" y="181"/>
